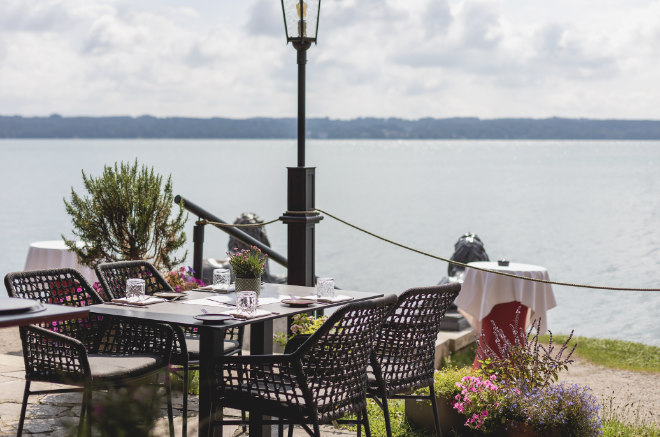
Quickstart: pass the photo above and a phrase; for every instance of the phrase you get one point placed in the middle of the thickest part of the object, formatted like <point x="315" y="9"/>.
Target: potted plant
<point x="182" y="279"/>
<point x="248" y="265"/>
<point x="515" y="393"/>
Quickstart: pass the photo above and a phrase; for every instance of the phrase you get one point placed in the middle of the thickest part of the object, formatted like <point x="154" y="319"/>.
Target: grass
<point x="615" y="354"/>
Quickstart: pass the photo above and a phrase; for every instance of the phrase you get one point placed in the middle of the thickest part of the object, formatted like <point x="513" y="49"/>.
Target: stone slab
<point x="450" y="341"/>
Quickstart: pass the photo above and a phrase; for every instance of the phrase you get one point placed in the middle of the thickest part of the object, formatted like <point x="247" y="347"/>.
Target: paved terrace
<point x="48" y="415"/>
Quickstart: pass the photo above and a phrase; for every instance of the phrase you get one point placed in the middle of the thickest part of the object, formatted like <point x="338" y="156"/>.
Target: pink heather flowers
<point x="248" y="263"/>
<point x="475" y="397"/>
<point x="182" y="279"/>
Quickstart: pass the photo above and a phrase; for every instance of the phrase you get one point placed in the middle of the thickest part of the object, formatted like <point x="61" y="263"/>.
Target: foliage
<point x="182" y="279"/>
<point x="617" y="354"/>
<point x="126" y="216"/>
<point x="560" y="408"/>
<point x="247" y="263"/>
<point x="301" y="324"/>
<point x="111" y="418"/>
<point x="524" y="363"/>
<point x="477" y="400"/>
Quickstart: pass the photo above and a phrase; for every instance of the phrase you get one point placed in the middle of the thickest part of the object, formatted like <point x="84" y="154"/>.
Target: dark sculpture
<point x="467" y="249"/>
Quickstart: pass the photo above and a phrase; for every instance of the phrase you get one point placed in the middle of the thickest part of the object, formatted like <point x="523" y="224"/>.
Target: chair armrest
<point x="53" y="357"/>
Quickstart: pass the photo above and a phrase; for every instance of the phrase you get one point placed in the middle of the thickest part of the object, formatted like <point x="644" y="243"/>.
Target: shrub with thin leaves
<point x="524" y="363"/>
<point x="127" y="214"/>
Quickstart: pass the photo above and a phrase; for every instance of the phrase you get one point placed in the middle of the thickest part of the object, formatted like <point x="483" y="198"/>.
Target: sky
<point x="375" y="58"/>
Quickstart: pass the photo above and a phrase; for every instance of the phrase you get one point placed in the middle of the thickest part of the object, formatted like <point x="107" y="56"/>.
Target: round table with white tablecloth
<point x="487" y="296"/>
<point x="54" y="255"/>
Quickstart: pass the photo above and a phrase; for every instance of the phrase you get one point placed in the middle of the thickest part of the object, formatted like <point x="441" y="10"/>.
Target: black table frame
<point x="212" y="336"/>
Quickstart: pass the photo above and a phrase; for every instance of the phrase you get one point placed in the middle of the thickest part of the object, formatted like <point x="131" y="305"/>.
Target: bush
<point x="126" y="216"/>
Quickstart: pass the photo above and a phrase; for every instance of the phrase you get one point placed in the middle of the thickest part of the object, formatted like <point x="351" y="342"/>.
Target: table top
<point x="49" y="313"/>
<point x="183" y="314"/>
<point x="482" y="290"/>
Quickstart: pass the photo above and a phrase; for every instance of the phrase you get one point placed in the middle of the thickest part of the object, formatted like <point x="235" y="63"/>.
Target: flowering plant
<point x="182" y="279"/>
<point x="301" y="324"/>
<point x="478" y="400"/>
<point x="247" y="263"/>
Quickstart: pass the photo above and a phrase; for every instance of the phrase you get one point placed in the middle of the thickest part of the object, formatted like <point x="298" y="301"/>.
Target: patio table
<point x="211" y="336"/>
<point x="19" y="312"/>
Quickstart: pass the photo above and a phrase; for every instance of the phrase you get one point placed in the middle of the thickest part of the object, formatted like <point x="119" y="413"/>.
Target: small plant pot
<point x="419" y="413"/>
<point x="248" y="284"/>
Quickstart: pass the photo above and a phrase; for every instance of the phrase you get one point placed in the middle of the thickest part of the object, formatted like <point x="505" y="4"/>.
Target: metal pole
<point x="300" y="196"/>
<point x="302" y="60"/>
<point x="198" y="250"/>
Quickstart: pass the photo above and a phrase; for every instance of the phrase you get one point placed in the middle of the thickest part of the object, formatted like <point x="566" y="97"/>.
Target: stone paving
<point x="56" y="415"/>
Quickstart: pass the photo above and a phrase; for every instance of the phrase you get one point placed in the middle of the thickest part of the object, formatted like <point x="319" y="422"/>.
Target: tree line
<point x="56" y="126"/>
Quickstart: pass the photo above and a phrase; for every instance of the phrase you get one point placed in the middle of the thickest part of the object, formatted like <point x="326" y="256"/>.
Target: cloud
<point x="36" y="16"/>
<point x="265" y="18"/>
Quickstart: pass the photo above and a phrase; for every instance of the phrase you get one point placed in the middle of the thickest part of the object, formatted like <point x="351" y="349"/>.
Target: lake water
<point x="589" y="211"/>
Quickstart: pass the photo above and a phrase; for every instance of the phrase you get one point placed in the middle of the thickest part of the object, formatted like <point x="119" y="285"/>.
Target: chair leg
<point x="386" y="413"/>
<point x="21" y="421"/>
<point x="184" y="426"/>
<point x="317" y="430"/>
<point x="436" y="416"/>
<point x="291" y="425"/>
<point x="85" y="423"/>
<point x="367" y="428"/>
<point x="359" y="424"/>
<point x="244" y="419"/>
<point x="170" y="414"/>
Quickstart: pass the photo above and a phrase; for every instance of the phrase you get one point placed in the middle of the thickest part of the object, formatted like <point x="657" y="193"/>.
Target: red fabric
<point x="503" y="315"/>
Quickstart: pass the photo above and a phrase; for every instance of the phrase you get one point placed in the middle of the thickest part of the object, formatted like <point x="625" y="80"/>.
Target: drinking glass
<point x="221" y="279"/>
<point x="246" y="302"/>
<point x="135" y="288"/>
<point x="325" y="287"/>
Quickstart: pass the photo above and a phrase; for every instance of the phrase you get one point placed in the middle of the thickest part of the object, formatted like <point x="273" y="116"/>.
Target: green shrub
<point x="126" y="216"/>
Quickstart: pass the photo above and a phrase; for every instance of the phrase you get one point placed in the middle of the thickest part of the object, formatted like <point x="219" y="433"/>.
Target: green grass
<point x="614" y="428"/>
<point x="615" y="354"/>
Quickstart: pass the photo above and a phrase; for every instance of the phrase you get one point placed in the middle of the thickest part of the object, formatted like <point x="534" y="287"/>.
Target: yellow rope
<point x="412" y="249"/>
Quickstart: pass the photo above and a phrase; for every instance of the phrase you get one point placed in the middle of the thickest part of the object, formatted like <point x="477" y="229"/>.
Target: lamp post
<point x="301" y="22"/>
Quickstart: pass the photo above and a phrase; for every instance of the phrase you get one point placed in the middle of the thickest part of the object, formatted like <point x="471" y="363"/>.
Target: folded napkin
<point x="217" y="301"/>
<point x="337" y="298"/>
<point x="242" y="316"/>
<point x="147" y="300"/>
<point x="218" y="289"/>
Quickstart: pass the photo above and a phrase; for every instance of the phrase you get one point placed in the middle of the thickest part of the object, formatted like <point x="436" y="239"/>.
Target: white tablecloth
<point x="54" y="254"/>
<point x="481" y="291"/>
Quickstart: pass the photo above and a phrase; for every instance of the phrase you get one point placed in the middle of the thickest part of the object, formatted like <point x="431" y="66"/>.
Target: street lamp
<point x="301" y="24"/>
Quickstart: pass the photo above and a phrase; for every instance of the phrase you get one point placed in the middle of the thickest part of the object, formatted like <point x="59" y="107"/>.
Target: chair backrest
<point x="60" y="287"/>
<point x="404" y="352"/>
<point x="113" y="276"/>
<point x="335" y="358"/>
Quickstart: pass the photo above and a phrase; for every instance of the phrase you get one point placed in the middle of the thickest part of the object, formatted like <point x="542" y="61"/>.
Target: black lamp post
<point x="301" y="23"/>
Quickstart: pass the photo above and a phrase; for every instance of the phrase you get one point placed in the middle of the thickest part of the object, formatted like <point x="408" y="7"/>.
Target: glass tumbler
<point x="221" y="279"/>
<point x="325" y="287"/>
<point x="135" y="289"/>
<point x="246" y="302"/>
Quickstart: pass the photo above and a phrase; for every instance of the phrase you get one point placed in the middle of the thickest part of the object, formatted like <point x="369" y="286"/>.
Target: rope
<point x="439" y="258"/>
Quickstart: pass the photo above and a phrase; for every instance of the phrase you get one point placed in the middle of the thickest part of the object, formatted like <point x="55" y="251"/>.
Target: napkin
<point x="242" y="316"/>
<point x="218" y="289"/>
<point x="337" y="298"/>
<point x="148" y="300"/>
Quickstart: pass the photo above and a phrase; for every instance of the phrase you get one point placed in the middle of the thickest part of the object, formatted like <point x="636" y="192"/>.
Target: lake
<point x="589" y="211"/>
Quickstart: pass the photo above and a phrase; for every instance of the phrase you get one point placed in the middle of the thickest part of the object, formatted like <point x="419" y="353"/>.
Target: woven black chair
<point x="403" y="356"/>
<point x="324" y="379"/>
<point x="90" y="353"/>
<point x="185" y="350"/>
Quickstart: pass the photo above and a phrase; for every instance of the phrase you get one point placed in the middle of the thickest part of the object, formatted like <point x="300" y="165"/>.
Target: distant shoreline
<point x="147" y="127"/>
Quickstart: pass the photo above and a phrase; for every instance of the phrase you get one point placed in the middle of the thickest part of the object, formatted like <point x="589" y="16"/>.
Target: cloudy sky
<point x="374" y="58"/>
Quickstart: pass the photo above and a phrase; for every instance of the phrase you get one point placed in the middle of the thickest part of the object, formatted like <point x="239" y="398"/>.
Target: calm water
<point x="588" y="211"/>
